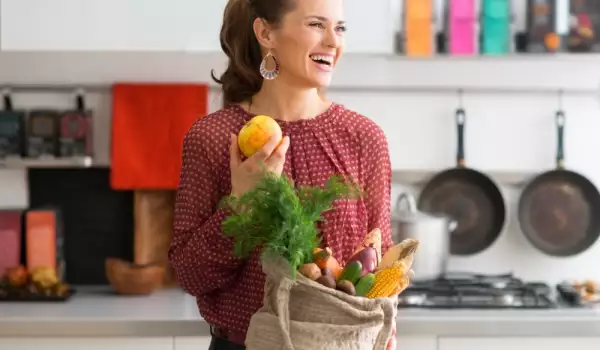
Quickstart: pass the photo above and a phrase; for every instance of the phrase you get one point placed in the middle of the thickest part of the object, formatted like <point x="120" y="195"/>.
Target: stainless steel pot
<point x="433" y="233"/>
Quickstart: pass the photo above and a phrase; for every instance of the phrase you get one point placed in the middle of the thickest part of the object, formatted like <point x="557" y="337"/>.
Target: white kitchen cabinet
<point x="192" y="343"/>
<point x="524" y="343"/>
<point x="159" y="25"/>
<point x="110" y="25"/>
<point x="370" y="26"/>
<point x="163" y="343"/>
<point x="416" y="343"/>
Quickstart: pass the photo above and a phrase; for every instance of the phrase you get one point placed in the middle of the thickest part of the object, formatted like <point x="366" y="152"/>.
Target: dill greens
<point x="281" y="218"/>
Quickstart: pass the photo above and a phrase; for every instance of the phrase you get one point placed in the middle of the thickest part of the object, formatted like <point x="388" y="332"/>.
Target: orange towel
<point x="149" y="122"/>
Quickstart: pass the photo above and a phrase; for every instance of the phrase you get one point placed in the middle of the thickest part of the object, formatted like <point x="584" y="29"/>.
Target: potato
<point x="346" y="287"/>
<point x="327" y="281"/>
<point x="327" y="272"/>
<point x="311" y="271"/>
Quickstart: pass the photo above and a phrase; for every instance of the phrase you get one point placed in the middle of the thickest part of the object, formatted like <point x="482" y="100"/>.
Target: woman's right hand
<point x="246" y="173"/>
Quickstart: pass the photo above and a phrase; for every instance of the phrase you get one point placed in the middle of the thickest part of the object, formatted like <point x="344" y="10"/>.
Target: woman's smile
<point x="323" y="61"/>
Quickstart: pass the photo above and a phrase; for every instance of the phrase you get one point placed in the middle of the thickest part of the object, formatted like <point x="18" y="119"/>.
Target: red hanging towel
<point x="149" y="122"/>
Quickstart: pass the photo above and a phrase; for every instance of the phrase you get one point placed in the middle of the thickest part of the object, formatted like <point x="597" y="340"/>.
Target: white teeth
<point x="328" y="59"/>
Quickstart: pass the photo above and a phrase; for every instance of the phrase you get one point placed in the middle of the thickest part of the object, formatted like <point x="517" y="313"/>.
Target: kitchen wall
<point x="510" y="103"/>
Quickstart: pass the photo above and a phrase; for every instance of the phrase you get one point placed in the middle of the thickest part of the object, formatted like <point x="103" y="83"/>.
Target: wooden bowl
<point x="131" y="279"/>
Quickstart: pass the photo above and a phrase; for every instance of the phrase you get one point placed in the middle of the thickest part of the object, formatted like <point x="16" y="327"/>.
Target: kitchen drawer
<point x="164" y="343"/>
<point x="192" y="343"/>
<point x="404" y="343"/>
<point x="416" y="343"/>
<point x="524" y="343"/>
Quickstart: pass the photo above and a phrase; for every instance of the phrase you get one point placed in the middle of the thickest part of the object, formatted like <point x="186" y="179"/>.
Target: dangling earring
<point x="269" y="74"/>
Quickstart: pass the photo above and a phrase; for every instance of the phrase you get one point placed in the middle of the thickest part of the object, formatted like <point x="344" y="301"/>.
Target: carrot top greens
<point x="281" y="218"/>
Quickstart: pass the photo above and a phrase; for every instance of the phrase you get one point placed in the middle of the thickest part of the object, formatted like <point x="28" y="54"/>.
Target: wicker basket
<point x="131" y="279"/>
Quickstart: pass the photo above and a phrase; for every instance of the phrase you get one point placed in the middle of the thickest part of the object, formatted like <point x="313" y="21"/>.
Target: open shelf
<point x="24" y="163"/>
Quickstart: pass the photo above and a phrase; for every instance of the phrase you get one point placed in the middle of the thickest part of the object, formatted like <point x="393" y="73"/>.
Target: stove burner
<point x="463" y="290"/>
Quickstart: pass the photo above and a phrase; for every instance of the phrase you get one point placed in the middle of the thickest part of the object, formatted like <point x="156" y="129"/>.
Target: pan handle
<point x="8" y="106"/>
<point x="410" y="203"/>
<point x="461" y="117"/>
<point x="560" y="130"/>
<point x="80" y="102"/>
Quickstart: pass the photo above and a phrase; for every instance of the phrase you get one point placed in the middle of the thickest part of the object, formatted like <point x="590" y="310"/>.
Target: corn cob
<point x="404" y="250"/>
<point x="404" y="282"/>
<point x="387" y="280"/>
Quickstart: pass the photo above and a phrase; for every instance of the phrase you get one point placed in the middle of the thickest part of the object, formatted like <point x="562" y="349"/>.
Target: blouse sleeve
<point x="201" y="256"/>
<point x="377" y="185"/>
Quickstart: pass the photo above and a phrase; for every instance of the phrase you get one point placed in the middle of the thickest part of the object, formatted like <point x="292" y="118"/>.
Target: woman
<point x="281" y="52"/>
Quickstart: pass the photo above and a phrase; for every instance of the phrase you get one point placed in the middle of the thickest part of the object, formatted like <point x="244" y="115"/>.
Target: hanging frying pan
<point x="469" y="197"/>
<point x="559" y="209"/>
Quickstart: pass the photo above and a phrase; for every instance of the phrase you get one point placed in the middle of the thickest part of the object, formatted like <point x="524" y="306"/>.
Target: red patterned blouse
<point x="230" y="290"/>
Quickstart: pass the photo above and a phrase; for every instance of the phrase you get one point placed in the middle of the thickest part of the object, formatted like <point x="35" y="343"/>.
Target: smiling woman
<point x="281" y="54"/>
<point x="290" y="34"/>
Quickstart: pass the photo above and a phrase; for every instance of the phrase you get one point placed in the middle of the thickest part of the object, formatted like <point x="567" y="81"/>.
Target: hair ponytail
<point x="242" y="80"/>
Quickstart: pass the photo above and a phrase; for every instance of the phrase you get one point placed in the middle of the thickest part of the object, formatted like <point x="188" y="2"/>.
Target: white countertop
<point x="100" y="312"/>
<point x="173" y="313"/>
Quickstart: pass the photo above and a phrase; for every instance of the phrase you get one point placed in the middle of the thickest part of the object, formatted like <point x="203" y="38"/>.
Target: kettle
<point x="432" y="231"/>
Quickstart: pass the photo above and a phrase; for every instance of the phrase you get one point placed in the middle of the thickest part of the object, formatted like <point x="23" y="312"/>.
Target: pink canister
<point x="462" y="27"/>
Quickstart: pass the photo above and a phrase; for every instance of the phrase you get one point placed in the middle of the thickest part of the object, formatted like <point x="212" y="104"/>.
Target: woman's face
<point x="309" y="42"/>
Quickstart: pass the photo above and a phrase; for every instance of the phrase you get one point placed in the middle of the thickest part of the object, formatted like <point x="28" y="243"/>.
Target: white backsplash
<point x="510" y="132"/>
<point x="506" y="133"/>
<point x="13" y="189"/>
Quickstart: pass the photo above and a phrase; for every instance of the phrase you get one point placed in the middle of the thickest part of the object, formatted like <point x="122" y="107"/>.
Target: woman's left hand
<point x="391" y="345"/>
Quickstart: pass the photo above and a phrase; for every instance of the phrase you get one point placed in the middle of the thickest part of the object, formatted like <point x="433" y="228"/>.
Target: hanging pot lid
<point x="410" y="213"/>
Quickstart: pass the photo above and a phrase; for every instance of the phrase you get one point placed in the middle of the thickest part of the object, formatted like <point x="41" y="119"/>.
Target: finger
<point x="266" y="150"/>
<point x="277" y="158"/>
<point x="234" y="153"/>
<point x="391" y="344"/>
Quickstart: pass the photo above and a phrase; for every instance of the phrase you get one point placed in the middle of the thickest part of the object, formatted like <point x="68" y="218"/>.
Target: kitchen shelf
<point x="420" y="177"/>
<point x="505" y="74"/>
<point x="514" y="56"/>
<point x="24" y="163"/>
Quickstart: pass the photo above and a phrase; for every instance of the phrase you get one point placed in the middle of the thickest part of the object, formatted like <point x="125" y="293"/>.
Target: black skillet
<point x="469" y="197"/>
<point x="559" y="210"/>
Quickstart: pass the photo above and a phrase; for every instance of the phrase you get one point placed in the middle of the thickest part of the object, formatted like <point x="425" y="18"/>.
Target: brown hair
<point x="242" y="79"/>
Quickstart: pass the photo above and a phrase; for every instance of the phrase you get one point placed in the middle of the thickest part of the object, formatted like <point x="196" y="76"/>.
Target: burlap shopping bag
<point x="301" y="314"/>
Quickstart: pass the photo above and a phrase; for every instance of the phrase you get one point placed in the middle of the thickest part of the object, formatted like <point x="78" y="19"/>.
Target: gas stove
<point x="474" y="291"/>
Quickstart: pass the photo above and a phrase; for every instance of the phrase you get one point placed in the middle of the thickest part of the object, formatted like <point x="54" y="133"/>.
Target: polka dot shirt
<point x="229" y="290"/>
